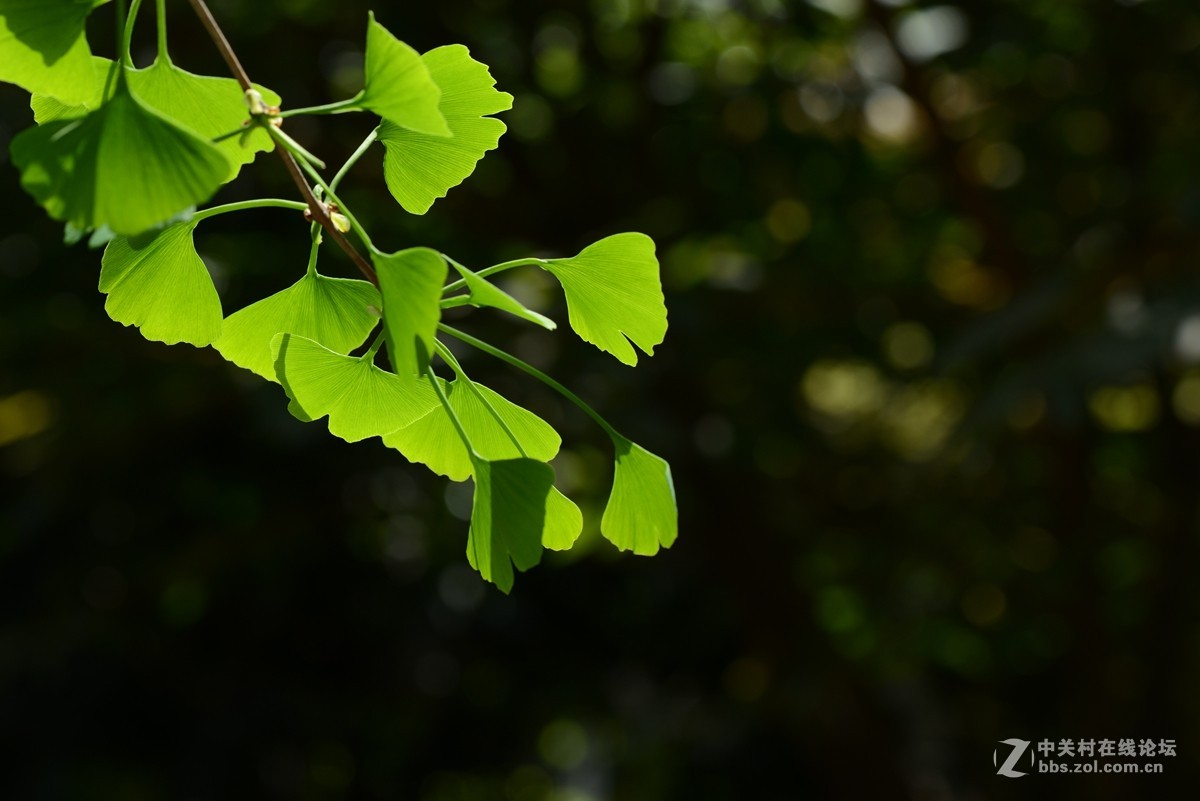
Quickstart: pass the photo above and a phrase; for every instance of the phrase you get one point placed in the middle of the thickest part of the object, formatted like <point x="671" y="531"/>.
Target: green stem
<point x="331" y="196"/>
<point x="508" y="265"/>
<point x="340" y="107"/>
<point x="127" y="39"/>
<point x="292" y="146"/>
<point x="369" y="356"/>
<point x="316" y="246"/>
<point x="533" y="371"/>
<point x="455" y="302"/>
<point x="458" y="426"/>
<point x="448" y="357"/>
<point x="354" y="157"/>
<point x="160" y="8"/>
<point x="261" y="203"/>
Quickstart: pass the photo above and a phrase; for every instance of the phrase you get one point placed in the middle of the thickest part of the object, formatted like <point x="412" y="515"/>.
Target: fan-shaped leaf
<point x="335" y="312"/>
<point x="420" y="168"/>
<point x="613" y="291"/>
<point x="122" y="165"/>
<point x="411" y="282"/>
<point x="159" y="284"/>
<point x="482" y="292"/>
<point x="507" y="517"/>
<point x="360" y="399"/>
<point x="641" y="513"/>
<point x="433" y="441"/>
<point x="398" y="85"/>
<point x="43" y="47"/>
<point x="564" y="522"/>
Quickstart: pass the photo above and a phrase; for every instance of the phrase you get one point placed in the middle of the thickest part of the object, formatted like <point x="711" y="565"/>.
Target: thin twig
<point x="316" y="207"/>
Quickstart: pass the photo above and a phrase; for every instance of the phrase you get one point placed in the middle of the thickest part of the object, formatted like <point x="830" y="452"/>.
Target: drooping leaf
<point x="335" y="312"/>
<point x="433" y="441"/>
<point x="122" y="165"/>
<point x="360" y="399"/>
<point x="614" y="295"/>
<point x="159" y="284"/>
<point x="564" y="522"/>
<point x="411" y="282"/>
<point x="420" y="168"/>
<point x="484" y="293"/>
<point x="507" y="517"/>
<point x="207" y="106"/>
<point x="641" y="514"/>
<point x="43" y="47"/>
<point x="398" y="86"/>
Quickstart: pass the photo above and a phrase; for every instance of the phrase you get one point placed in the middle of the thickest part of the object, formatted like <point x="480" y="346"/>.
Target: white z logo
<point x="1018" y="748"/>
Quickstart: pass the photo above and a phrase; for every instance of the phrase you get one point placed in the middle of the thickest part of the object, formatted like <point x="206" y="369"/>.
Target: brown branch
<point x="316" y="207"/>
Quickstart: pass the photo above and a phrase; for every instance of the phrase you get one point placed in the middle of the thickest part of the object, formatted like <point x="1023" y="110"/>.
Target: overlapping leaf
<point x="411" y="282"/>
<point x="360" y="399"/>
<point x="122" y="165"/>
<point x="641" y="513"/>
<point x="43" y="47"/>
<point x="614" y="295"/>
<point x="508" y="516"/>
<point x="433" y="441"/>
<point x="159" y="284"/>
<point x="399" y="87"/>
<point x="482" y="292"/>
<point x="563" y="524"/>
<point x="335" y="312"/>
<point x="420" y="168"/>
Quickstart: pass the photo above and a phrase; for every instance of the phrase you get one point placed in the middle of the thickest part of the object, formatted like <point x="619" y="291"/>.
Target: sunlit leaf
<point x="335" y="312"/>
<point x="641" y="513"/>
<point x="564" y="522"/>
<point x="122" y="165"/>
<point x="43" y="47"/>
<point x="398" y="86"/>
<point x="159" y="284"/>
<point x="507" y="517"/>
<point x="360" y="399"/>
<point x="484" y="293"/>
<point x="411" y="282"/>
<point x="433" y="441"/>
<point x="420" y="168"/>
<point x="613" y="293"/>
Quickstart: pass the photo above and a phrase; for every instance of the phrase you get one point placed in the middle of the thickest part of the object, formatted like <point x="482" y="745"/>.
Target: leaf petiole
<point x="340" y="107"/>
<point x="449" y="358"/>
<point x="331" y="195"/>
<point x="292" y="146"/>
<point x="354" y="157"/>
<point x="508" y="265"/>
<point x="262" y="203"/>
<point x="458" y="426"/>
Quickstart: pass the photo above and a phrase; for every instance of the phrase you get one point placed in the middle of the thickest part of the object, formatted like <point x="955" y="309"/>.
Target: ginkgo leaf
<point x="564" y="522"/>
<point x="333" y="311"/>
<point x="641" y="514"/>
<point x="207" y="106"/>
<point x="360" y="399"/>
<point x="411" y="282"/>
<point x="614" y="295"/>
<point x="398" y="86"/>
<point x="159" y="284"/>
<point x="87" y="95"/>
<point x="43" y="47"/>
<point x="420" y="168"/>
<point x="434" y="442"/>
<point x="507" y="517"/>
<point x="482" y="292"/>
<point x="122" y="165"/>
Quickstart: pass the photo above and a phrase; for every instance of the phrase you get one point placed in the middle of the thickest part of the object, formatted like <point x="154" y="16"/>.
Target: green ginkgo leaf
<point x="508" y="516"/>
<point x="434" y="442"/>
<point x="360" y="399"/>
<point x="564" y="522"/>
<point x="411" y="282"/>
<point x="398" y="86"/>
<point x="122" y="165"/>
<point x="43" y="47"/>
<point x="337" y="312"/>
<point x="483" y="293"/>
<point x="641" y="513"/>
<point x="420" y="168"/>
<point x="159" y="284"/>
<point x="614" y="295"/>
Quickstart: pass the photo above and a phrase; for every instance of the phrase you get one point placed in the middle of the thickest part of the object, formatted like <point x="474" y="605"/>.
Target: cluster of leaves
<point x="124" y="156"/>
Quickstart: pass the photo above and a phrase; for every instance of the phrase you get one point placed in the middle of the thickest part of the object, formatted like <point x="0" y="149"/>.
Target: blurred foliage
<point x="931" y="393"/>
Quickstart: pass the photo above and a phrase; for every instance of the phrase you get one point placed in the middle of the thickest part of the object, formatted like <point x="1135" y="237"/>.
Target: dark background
<point x="930" y="393"/>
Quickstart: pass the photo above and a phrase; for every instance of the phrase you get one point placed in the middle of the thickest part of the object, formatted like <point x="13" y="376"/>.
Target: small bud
<point x="256" y="104"/>
<point x="340" y="222"/>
